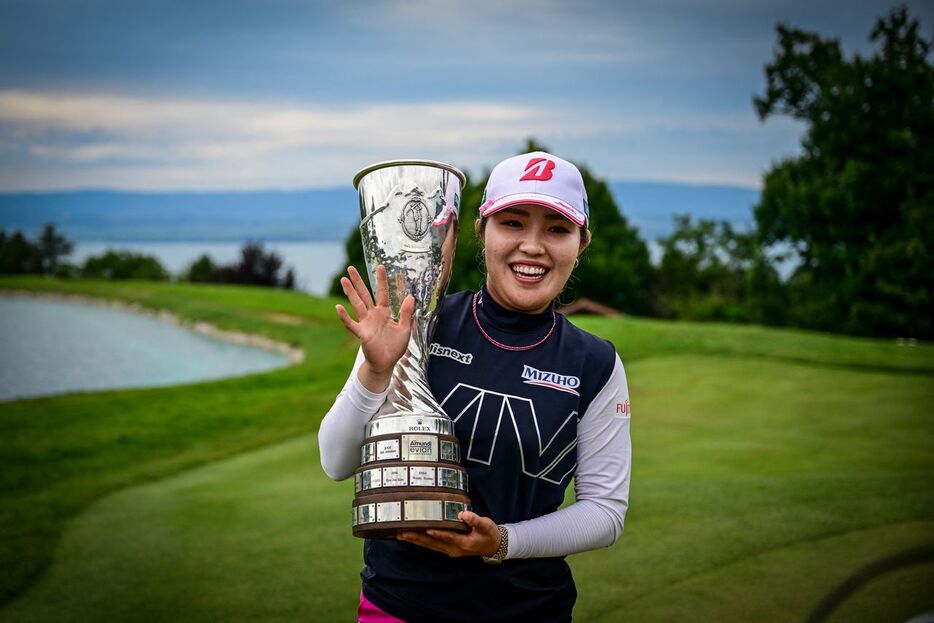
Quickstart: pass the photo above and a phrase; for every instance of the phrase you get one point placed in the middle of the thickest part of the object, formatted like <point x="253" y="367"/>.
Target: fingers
<point x="447" y="536"/>
<point x="405" y="312"/>
<point x="353" y="297"/>
<point x="484" y="530"/>
<point x="347" y="320"/>
<point x="470" y="518"/>
<point x="434" y="543"/>
<point x="477" y="522"/>
<point x="359" y="296"/>
<point x="456" y="544"/>
<point x="382" y="286"/>
<point x="362" y="291"/>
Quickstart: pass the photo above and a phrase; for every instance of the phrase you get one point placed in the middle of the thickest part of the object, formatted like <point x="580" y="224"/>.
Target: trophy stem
<point x="409" y="393"/>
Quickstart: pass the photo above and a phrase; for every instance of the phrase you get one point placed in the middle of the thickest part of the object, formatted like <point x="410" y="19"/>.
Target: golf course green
<point x="769" y="465"/>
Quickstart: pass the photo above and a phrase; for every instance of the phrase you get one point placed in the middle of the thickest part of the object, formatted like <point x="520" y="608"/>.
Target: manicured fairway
<point x="758" y="486"/>
<point x="59" y="454"/>
<point x="769" y="465"/>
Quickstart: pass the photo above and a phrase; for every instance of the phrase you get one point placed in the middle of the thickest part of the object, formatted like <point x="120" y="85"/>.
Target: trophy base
<point x="392" y="529"/>
<point x="384" y="515"/>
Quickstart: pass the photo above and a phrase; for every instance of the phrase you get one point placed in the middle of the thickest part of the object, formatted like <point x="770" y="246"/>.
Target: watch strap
<point x="502" y="550"/>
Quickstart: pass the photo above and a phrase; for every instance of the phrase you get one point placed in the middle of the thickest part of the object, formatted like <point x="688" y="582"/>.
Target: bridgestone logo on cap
<point x="538" y="170"/>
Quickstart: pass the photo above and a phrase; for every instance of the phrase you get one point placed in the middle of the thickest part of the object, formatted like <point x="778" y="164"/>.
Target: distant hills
<point x="234" y="216"/>
<point x="320" y="214"/>
<point x="652" y="206"/>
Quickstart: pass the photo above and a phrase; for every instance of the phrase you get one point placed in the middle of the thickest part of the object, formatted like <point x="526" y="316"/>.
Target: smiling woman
<point x="535" y="249"/>
<point x="535" y="402"/>
<point x="57" y="346"/>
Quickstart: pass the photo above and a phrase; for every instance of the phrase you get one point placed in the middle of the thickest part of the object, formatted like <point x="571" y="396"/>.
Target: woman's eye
<point x="512" y="223"/>
<point x="560" y="229"/>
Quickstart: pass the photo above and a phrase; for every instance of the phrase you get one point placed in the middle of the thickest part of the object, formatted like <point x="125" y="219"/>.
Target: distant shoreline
<point x="314" y="263"/>
<point x="321" y="215"/>
<point x="229" y="239"/>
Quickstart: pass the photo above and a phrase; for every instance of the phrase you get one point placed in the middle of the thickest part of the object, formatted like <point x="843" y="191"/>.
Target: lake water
<point x="314" y="263"/>
<point x="52" y="347"/>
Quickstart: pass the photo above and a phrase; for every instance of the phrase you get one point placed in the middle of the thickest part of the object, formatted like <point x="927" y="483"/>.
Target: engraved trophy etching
<point x="410" y="476"/>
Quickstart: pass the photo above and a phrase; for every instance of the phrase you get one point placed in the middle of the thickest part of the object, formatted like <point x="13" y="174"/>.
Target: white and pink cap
<point x="540" y="179"/>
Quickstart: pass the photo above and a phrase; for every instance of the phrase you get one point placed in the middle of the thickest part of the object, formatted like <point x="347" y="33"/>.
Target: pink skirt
<point x="370" y="613"/>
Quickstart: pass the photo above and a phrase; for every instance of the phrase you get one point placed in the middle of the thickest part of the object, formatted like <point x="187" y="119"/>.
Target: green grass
<point x="59" y="454"/>
<point x="769" y="465"/>
<point x="758" y="485"/>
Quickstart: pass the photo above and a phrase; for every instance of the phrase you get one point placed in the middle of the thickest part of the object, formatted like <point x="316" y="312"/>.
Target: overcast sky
<point x="244" y="94"/>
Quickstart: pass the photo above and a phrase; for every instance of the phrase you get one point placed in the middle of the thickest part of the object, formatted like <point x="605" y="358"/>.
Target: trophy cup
<point x="410" y="476"/>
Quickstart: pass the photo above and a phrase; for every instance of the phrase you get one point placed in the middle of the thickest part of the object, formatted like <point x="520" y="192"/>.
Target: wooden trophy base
<point x="384" y="515"/>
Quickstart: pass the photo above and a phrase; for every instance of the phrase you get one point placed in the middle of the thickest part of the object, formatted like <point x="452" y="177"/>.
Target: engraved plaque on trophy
<point x="410" y="477"/>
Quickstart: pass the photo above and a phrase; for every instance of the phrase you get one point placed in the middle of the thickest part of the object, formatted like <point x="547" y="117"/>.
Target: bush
<point x="256" y="267"/>
<point x="201" y="270"/>
<point x="124" y="265"/>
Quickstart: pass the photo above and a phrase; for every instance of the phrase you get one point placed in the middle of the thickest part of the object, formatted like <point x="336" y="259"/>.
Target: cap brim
<point x="492" y="207"/>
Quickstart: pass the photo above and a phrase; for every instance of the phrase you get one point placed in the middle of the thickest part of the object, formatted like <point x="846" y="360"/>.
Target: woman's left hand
<point x="482" y="540"/>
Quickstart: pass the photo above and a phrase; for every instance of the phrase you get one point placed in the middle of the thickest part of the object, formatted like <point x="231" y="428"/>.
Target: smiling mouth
<point x="528" y="273"/>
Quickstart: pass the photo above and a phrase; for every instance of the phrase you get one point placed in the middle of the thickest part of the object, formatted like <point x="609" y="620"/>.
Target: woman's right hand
<point x="382" y="339"/>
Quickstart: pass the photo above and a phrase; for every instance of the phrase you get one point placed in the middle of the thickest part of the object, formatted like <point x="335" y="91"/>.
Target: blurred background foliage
<point x="858" y="204"/>
<point x="853" y="213"/>
<point x="21" y="256"/>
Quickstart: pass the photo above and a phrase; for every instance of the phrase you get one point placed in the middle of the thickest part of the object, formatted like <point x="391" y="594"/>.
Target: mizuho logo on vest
<point x="552" y="380"/>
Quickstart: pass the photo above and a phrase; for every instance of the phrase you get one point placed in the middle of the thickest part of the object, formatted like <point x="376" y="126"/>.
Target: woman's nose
<point x="532" y="243"/>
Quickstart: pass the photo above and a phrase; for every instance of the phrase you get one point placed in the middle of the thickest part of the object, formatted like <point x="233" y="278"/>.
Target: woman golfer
<point x="537" y="402"/>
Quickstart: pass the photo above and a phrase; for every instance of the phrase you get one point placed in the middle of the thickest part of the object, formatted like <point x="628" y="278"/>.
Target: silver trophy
<point x="410" y="476"/>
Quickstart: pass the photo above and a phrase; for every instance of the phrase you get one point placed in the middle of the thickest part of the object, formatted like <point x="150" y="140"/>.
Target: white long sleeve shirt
<point x="601" y="477"/>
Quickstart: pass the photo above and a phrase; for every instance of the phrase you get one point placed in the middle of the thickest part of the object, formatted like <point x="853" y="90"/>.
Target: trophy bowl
<point x="410" y="477"/>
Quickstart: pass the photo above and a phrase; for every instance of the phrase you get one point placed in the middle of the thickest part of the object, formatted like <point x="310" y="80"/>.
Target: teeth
<point x="529" y="271"/>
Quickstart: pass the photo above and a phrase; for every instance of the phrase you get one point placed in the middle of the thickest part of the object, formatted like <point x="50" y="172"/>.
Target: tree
<point x="616" y="268"/>
<point x="17" y="255"/>
<point x="353" y="252"/>
<point x="702" y="272"/>
<point x="468" y="271"/>
<point x="858" y="204"/>
<point x="256" y="267"/>
<point x="50" y="247"/>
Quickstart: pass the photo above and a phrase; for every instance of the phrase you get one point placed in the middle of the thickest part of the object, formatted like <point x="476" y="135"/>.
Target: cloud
<point x="63" y="140"/>
<point x="228" y="143"/>
<point x="484" y="36"/>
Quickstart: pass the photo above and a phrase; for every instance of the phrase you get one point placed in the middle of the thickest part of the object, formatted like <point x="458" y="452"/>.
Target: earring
<point x="577" y="262"/>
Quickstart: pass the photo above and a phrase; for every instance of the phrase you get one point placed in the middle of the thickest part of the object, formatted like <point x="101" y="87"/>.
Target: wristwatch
<point x="503" y="549"/>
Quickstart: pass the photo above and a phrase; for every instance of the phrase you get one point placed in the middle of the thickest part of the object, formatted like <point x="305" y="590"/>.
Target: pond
<point x="56" y="346"/>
